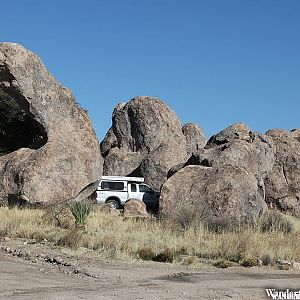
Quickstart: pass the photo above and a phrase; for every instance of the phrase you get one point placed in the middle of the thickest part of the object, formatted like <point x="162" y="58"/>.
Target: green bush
<point x="80" y="211"/>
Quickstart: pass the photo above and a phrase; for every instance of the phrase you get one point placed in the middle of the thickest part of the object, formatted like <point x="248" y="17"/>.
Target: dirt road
<point x="97" y="279"/>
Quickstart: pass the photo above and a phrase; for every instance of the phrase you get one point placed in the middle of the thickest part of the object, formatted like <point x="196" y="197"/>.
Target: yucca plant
<point x="80" y="211"/>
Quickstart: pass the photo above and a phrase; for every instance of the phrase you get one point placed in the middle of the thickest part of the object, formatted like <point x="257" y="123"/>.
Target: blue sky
<point x="215" y="62"/>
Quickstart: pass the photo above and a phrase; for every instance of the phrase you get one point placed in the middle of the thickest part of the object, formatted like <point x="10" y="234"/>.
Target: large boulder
<point x="145" y="140"/>
<point x="212" y="193"/>
<point x="283" y="183"/>
<point x="225" y="178"/>
<point x="62" y="161"/>
<point x="195" y="138"/>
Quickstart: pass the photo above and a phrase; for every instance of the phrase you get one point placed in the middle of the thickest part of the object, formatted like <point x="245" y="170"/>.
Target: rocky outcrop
<point x="63" y="160"/>
<point x="195" y="138"/>
<point x="283" y="183"/>
<point x="238" y="146"/>
<point x="226" y="177"/>
<point x="145" y="140"/>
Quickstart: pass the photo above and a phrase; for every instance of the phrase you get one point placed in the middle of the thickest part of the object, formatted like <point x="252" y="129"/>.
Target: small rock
<point x="136" y="208"/>
<point x="258" y="261"/>
<point x="30" y="242"/>
<point x="296" y="266"/>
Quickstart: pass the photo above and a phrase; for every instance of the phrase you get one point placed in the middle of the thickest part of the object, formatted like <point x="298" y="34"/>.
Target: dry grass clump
<point x="190" y="260"/>
<point x="274" y="221"/>
<point x="223" y="264"/>
<point x="248" y="262"/>
<point x="71" y="238"/>
<point x="166" y="255"/>
<point x="112" y="236"/>
<point x="27" y="223"/>
<point x="146" y="253"/>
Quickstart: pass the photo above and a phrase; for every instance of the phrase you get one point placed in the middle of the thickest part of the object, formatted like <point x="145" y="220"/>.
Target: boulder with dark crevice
<point x="17" y="128"/>
<point x="145" y="140"/>
<point x="283" y="182"/>
<point x="49" y="149"/>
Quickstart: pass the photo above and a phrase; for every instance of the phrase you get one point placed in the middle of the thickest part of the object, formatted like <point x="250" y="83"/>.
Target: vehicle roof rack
<point x="123" y="178"/>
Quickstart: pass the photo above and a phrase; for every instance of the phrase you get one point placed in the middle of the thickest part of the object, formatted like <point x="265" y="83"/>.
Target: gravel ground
<point x="36" y="271"/>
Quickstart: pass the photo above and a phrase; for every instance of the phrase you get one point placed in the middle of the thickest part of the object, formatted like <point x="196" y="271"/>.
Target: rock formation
<point x="283" y="183"/>
<point x="224" y="178"/>
<point x="63" y="160"/>
<point x="238" y="146"/>
<point x="145" y="140"/>
<point x="195" y="138"/>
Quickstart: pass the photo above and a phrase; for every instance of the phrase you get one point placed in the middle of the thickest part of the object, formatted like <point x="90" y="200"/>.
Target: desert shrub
<point x="71" y="238"/>
<point x="274" y="221"/>
<point x="185" y="217"/>
<point x="146" y="253"/>
<point x="223" y="264"/>
<point x="248" y="262"/>
<point x="236" y="256"/>
<point x="266" y="259"/>
<point x="59" y="215"/>
<point x="182" y="250"/>
<point x="283" y="267"/>
<point x="167" y="255"/>
<point x="80" y="211"/>
<point x="222" y="223"/>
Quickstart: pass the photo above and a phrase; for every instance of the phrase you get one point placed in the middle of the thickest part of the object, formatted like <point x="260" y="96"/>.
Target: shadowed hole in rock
<point x="18" y="129"/>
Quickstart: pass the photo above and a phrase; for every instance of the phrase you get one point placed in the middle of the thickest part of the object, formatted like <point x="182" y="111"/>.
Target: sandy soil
<point x="42" y="272"/>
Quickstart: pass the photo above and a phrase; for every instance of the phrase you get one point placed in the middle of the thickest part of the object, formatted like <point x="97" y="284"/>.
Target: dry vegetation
<point x="112" y="236"/>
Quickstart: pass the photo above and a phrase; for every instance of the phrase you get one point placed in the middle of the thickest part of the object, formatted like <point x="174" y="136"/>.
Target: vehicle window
<point x="133" y="187"/>
<point x="112" y="185"/>
<point x="144" y="188"/>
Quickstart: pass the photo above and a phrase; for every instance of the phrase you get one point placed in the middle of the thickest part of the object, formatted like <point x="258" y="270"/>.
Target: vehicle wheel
<point x="113" y="203"/>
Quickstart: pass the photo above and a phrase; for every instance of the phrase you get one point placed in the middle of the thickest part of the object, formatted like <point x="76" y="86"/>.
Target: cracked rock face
<point x="63" y="161"/>
<point x="195" y="138"/>
<point x="283" y="183"/>
<point x="145" y="140"/>
<point x="226" y="177"/>
<point x="238" y="146"/>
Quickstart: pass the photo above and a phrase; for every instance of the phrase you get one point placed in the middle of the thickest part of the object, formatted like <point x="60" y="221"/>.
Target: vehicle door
<point x="145" y="192"/>
<point x="133" y="191"/>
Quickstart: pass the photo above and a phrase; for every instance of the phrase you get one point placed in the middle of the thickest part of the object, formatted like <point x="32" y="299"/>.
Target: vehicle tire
<point x="113" y="203"/>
